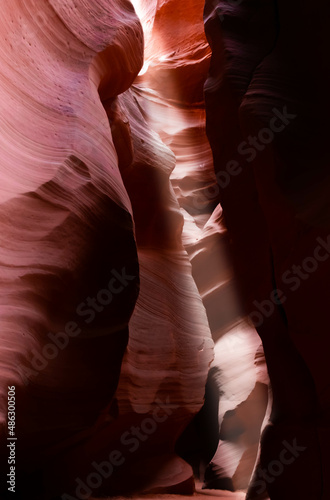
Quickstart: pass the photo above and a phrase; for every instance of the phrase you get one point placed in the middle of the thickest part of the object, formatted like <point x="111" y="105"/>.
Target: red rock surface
<point x="86" y="198"/>
<point x="119" y="266"/>
<point x="180" y="121"/>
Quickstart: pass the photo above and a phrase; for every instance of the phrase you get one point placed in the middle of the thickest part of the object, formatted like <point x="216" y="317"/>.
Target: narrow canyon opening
<point x="164" y="249"/>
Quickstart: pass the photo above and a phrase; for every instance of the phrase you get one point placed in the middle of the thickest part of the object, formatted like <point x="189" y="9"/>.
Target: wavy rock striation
<point x="88" y="218"/>
<point x="67" y="235"/>
<point x="179" y="118"/>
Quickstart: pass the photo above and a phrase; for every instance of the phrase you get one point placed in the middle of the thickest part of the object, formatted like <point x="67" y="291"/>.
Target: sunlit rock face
<point x="178" y="116"/>
<point x="89" y="219"/>
<point x="267" y="125"/>
<point x="166" y="360"/>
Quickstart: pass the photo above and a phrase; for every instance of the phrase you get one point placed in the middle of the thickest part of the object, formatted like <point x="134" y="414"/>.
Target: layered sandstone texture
<point x="118" y="264"/>
<point x="93" y="268"/>
<point x="176" y="111"/>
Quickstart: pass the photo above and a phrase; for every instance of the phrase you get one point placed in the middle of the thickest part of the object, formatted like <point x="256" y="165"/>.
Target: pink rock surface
<point x="88" y="213"/>
<point x="182" y="128"/>
<point x="119" y="268"/>
<point x="66" y="221"/>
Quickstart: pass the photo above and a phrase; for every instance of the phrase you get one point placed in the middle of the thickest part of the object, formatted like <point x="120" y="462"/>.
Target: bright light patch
<point x="137" y="4"/>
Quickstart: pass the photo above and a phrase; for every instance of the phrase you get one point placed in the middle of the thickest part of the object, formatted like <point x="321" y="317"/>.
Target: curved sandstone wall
<point x="88" y="221"/>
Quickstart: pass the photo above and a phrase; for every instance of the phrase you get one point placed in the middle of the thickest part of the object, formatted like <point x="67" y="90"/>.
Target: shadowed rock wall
<point x="267" y="108"/>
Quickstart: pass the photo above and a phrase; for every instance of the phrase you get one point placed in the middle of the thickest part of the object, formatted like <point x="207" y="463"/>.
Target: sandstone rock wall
<point x="89" y="219"/>
<point x="267" y="109"/>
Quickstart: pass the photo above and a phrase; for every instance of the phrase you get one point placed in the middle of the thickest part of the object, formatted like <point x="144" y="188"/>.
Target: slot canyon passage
<point x="165" y="243"/>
